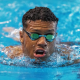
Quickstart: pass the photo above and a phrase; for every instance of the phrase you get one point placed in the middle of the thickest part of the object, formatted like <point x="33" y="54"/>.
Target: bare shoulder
<point x="13" y="51"/>
<point x="67" y="46"/>
<point x="66" y="49"/>
<point x="70" y="43"/>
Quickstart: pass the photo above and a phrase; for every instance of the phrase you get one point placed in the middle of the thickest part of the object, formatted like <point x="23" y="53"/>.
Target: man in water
<point x="38" y="36"/>
<point x="39" y="33"/>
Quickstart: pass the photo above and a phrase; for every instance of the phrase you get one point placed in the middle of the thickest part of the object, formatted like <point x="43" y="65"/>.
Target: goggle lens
<point x="34" y="36"/>
<point x="48" y="37"/>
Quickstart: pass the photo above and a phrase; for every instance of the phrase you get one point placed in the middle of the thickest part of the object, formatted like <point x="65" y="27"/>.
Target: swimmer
<point x="38" y="36"/>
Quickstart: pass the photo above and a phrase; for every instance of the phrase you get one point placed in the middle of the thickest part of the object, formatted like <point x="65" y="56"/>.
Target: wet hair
<point x="39" y="13"/>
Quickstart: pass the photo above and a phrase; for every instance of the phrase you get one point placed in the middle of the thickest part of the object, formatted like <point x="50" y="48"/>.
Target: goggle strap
<point x="42" y="35"/>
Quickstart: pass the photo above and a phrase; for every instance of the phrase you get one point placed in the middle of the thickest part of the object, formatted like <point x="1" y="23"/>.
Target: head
<point x="39" y="23"/>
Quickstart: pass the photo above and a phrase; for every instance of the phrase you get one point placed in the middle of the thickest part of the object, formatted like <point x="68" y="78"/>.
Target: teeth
<point x="39" y="51"/>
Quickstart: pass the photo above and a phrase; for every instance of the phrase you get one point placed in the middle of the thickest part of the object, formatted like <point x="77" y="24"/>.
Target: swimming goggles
<point x="35" y="36"/>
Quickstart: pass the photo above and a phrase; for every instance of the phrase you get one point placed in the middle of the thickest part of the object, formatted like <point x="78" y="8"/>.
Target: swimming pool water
<point x="68" y="29"/>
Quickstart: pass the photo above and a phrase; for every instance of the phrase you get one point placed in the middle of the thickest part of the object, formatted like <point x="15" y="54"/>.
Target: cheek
<point x="25" y="44"/>
<point x="52" y="47"/>
<point x="29" y="46"/>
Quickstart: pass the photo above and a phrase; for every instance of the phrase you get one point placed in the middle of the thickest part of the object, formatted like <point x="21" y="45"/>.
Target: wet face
<point x="39" y="48"/>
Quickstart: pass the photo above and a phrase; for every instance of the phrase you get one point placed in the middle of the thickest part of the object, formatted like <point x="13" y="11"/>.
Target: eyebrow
<point x="51" y="30"/>
<point x="39" y="30"/>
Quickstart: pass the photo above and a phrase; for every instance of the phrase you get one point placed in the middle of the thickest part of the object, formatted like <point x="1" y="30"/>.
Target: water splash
<point x="55" y="60"/>
<point x="4" y="22"/>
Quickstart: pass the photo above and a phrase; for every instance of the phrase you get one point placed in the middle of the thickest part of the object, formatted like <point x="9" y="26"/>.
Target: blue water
<point x="68" y="29"/>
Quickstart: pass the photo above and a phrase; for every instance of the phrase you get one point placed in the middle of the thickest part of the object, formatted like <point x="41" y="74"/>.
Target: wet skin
<point x="31" y="46"/>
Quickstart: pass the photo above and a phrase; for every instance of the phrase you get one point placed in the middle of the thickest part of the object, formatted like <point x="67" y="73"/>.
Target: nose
<point x="42" y="42"/>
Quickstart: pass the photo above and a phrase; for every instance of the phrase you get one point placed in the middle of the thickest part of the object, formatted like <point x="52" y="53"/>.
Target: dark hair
<point x="39" y="13"/>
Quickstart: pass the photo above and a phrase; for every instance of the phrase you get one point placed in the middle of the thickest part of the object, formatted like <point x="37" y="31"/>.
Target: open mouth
<point x="39" y="53"/>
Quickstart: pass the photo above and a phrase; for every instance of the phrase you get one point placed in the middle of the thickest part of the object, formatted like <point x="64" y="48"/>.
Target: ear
<point x="21" y="36"/>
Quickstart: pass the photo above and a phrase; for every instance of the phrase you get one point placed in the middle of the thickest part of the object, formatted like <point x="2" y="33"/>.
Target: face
<point x="39" y="48"/>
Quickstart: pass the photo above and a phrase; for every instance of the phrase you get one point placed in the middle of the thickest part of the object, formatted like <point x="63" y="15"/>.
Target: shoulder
<point x="13" y="51"/>
<point x="68" y="49"/>
<point x="70" y="43"/>
<point x="64" y="50"/>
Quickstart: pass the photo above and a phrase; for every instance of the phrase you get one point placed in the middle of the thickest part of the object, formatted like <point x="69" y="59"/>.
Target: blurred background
<point x="11" y="12"/>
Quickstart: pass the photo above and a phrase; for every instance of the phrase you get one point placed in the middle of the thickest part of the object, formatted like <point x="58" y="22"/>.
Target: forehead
<point x="38" y="24"/>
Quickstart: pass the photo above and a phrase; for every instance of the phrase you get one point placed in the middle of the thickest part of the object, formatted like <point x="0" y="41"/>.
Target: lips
<point x="40" y="53"/>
